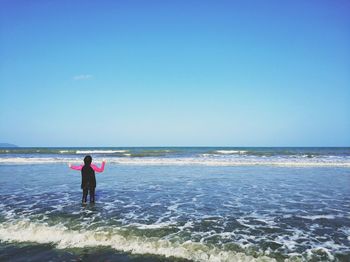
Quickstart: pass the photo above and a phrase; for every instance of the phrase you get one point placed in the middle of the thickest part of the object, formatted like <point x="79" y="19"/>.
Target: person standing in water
<point x="88" y="179"/>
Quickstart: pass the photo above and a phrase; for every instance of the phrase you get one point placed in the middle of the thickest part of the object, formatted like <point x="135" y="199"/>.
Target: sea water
<point x="177" y="204"/>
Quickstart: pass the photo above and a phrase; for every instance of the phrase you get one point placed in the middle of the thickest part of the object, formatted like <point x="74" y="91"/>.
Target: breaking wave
<point x="99" y="151"/>
<point x="201" y="161"/>
<point x="61" y="237"/>
<point x="231" y="151"/>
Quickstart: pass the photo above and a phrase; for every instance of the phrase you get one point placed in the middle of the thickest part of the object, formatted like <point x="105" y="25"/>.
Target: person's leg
<point x="92" y="194"/>
<point x="85" y="193"/>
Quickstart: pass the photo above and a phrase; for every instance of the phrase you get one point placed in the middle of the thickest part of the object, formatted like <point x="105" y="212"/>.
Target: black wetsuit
<point x="88" y="183"/>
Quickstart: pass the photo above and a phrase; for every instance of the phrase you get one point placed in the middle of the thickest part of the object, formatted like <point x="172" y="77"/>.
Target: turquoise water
<point x="178" y="204"/>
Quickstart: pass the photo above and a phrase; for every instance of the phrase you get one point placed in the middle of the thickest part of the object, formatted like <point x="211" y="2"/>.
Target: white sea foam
<point x="204" y="161"/>
<point x="319" y="217"/>
<point x="64" y="151"/>
<point x="152" y="226"/>
<point x="281" y="162"/>
<point x="231" y="151"/>
<point x="100" y="151"/>
<point x="346" y="231"/>
<point x="25" y="231"/>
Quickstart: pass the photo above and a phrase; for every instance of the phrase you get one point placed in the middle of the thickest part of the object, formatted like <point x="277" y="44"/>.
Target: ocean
<point x="177" y="204"/>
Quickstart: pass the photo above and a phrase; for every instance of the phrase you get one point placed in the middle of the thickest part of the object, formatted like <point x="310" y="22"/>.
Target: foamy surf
<point x="61" y="237"/>
<point x="188" y="161"/>
<point x="100" y="151"/>
<point x="229" y="152"/>
<point x="188" y="211"/>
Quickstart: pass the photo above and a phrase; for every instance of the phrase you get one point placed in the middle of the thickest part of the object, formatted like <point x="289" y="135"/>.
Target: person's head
<point x="87" y="160"/>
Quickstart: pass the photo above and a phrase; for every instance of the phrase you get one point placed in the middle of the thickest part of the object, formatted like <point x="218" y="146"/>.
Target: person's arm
<point x="75" y="167"/>
<point x="99" y="169"/>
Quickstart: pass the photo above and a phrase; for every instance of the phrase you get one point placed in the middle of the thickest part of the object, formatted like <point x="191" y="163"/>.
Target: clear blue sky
<point x="159" y="73"/>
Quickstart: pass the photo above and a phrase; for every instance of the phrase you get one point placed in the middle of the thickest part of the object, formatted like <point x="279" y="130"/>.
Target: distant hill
<point x="7" y="145"/>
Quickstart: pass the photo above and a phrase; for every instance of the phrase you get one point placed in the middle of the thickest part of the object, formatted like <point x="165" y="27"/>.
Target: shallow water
<point x="176" y="212"/>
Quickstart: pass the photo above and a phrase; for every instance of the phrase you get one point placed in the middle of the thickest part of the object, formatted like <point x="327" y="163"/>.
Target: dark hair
<point x="87" y="160"/>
